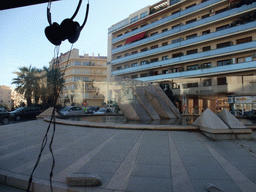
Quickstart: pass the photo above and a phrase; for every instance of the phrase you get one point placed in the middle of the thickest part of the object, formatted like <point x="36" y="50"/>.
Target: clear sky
<point x="22" y="38"/>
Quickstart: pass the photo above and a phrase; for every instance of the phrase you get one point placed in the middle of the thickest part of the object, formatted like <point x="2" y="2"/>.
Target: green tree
<point x="27" y="83"/>
<point x="54" y="84"/>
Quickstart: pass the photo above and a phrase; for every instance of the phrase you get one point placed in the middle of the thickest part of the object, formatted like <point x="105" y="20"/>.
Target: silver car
<point x="72" y="110"/>
<point x="104" y="111"/>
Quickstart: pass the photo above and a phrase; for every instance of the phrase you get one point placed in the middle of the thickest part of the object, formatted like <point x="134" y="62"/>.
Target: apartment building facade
<point x="5" y="96"/>
<point x="80" y="73"/>
<point x="203" y="49"/>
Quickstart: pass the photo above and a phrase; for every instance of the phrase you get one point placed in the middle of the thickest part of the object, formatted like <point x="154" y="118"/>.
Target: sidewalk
<point x="126" y="160"/>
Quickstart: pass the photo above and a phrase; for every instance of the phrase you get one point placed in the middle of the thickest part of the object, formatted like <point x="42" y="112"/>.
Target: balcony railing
<point x="182" y="28"/>
<point x="207" y="37"/>
<point x="188" y="58"/>
<point x="167" y="19"/>
<point x="247" y="66"/>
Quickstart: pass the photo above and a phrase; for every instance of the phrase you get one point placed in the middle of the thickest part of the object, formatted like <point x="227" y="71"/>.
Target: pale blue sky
<point x="22" y="39"/>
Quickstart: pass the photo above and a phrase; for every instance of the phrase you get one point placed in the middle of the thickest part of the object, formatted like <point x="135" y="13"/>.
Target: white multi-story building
<point x="203" y="49"/>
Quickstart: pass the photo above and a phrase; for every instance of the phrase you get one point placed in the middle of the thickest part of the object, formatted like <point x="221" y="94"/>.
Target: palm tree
<point x="54" y="84"/>
<point x="27" y="83"/>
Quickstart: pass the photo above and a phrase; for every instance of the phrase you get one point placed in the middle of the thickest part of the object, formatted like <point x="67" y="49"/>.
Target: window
<point x="154" y="46"/>
<point x="127" y="66"/>
<point x="134" y="52"/>
<point x="144" y="14"/>
<point x="143" y="25"/>
<point x="208" y="48"/>
<point x="207" y="82"/>
<point x="156" y="73"/>
<point x="206" y="32"/>
<point x="240" y="60"/>
<point x="164" y="71"/>
<point x="165" y="57"/>
<point x="205" y="16"/>
<point x="119" y="46"/>
<point x="177" y="55"/>
<point x="164" y="30"/>
<point x="154" y="60"/>
<point x="221" y="10"/>
<point x="85" y="78"/>
<point x="191" y="21"/>
<point x="134" y="28"/>
<point x="175" y="86"/>
<point x="221" y="81"/>
<point x="190" y="6"/>
<point x="144" y="49"/>
<point x="206" y="65"/>
<point x="119" y="56"/>
<point x="176" y="40"/>
<point x="191" y="36"/>
<point x="192" y="67"/>
<point x="224" y="62"/>
<point x="153" y="33"/>
<point x="143" y="75"/>
<point x="193" y="51"/>
<point x="119" y="68"/>
<point x="134" y="19"/>
<point x="77" y="78"/>
<point x="78" y="63"/>
<point x="85" y="63"/>
<point x="165" y="43"/>
<point x="134" y="76"/>
<point x="226" y="44"/>
<point x="175" y="26"/>
<point x="134" y="65"/>
<point x="126" y="54"/>
<point x="189" y="85"/>
<point x="144" y="62"/>
<point x="244" y="40"/>
<point x="222" y="27"/>
<point x="178" y="69"/>
<point x="119" y="35"/>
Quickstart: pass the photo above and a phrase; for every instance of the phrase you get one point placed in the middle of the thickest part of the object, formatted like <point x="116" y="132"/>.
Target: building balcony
<point x="239" y="67"/>
<point x="167" y="19"/>
<point x="202" y="38"/>
<point x="84" y="74"/>
<point x="196" y="24"/>
<point x="209" y="90"/>
<point x="188" y="58"/>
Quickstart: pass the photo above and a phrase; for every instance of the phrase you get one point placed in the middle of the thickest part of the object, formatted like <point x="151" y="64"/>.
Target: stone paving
<point x="126" y="160"/>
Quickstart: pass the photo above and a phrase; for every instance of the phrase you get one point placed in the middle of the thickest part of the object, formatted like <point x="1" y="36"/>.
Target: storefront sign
<point x="246" y="99"/>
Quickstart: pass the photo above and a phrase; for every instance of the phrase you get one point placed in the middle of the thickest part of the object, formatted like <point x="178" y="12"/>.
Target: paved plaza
<point x="126" y="160"/>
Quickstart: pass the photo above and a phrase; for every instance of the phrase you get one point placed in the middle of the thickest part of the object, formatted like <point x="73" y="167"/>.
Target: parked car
<point x="4" y="116"/>
<point x="25" y="113"/>
<point x="250" y="114"/>
<point x="72" y="110"/>
<point x="104" y="111"/>
<point x="92" y="109"/>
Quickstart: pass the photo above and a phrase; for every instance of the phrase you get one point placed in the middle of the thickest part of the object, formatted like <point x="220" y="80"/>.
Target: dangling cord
<point x="61" y="87"/>
<point x="44" y="142"/>
<point x="55" y="98"/>
<point x="49" y="17"/>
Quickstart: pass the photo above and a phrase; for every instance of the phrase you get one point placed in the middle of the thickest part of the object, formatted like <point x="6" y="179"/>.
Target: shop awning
<point x="135" y="37"/>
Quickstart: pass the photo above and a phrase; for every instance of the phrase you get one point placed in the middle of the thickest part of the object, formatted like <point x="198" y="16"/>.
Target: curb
<point x="126" y="126"/>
